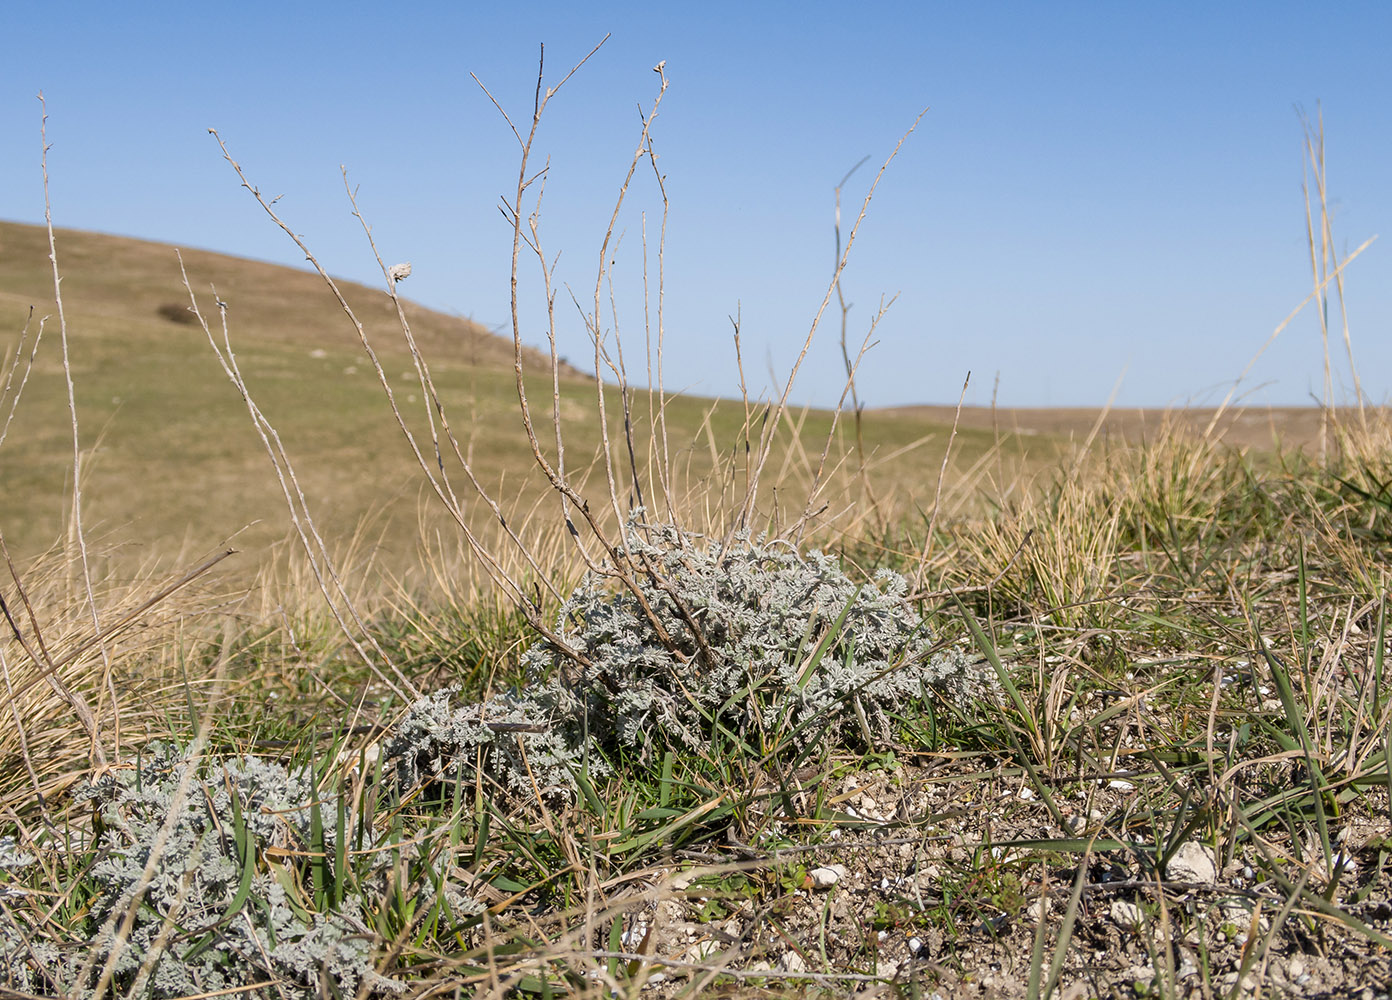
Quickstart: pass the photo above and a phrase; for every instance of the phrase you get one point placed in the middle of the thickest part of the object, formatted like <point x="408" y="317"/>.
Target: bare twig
<point x="77" y="701"/>
<point x="435" y="409"/>
<point x="618" y="551"/>
<point x="857" y="407"/>
<point x="664" y="465"/>
<point x="766" y="441"/>
<point x="852" y="367"/>
<point x="490" y="562"/>
<point x="330" y="585"/>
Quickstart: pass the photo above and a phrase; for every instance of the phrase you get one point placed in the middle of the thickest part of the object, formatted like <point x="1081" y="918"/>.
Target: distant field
<point x="173" y="463"/>
<point x="1239" y="426"/>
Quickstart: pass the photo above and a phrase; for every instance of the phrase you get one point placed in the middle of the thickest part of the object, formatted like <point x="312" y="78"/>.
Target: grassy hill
<point x="171" y="459"/>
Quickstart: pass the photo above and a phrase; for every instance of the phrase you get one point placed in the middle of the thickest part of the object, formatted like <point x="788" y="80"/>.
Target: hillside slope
<point x="171" y="460"/>
<point x="113" y="282"/>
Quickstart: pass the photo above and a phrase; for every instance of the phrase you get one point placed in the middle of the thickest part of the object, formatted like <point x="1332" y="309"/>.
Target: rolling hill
<point x="114" y="283"/>
<point x="170" y="459"/>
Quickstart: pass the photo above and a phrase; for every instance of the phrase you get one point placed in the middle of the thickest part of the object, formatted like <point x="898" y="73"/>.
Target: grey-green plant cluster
<point x="754" y="642"/>
<point x="201" y="887"/>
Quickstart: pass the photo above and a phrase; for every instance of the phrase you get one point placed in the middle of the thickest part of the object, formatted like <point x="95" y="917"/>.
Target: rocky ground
<point x="937" y="882"/>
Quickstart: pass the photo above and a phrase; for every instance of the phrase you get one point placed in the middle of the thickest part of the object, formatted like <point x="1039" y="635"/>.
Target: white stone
<point x="704" y="949"/>
<point x="1126" y="914"/>
<point x="1193" y="862"/>
<point x="826" y="877"/>
<point x="792" y="962"/>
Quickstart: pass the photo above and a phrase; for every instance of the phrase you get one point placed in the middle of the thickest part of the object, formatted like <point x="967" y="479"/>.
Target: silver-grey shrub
<point x="192" y="932"/>
<point x="762" y="609"/>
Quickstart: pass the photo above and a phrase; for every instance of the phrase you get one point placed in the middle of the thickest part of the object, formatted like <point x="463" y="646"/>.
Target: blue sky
<point x="1098" y="191"/>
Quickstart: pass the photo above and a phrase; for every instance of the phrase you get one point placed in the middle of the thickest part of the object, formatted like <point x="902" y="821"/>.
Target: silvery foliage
<point x="180" y="810"/>
<point x="762" y="608"/>
<point x="525" y="741"/>
<point x="12" y="858"/>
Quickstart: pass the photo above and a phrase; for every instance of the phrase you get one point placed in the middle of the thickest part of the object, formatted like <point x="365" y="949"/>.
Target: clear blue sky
<point x="1097" y="188"/>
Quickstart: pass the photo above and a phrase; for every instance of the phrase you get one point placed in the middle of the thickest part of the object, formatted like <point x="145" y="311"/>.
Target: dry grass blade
<point x="937" y="496"/>
<point x="11" y="391"/>
<point x="95" y="749"/>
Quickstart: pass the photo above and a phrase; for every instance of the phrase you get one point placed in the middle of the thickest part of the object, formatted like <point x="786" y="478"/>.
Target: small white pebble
<point x="915" y="946"/>
<point x="792" y="962"/>
<point x="1126" y="914"/>
<point x="1121" y="785"/>
<point x="1193" y="862"/>
<point x="826" y="877"/>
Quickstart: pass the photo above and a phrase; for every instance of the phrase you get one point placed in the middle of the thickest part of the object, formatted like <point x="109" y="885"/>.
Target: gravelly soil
<point x="920" y="907"/>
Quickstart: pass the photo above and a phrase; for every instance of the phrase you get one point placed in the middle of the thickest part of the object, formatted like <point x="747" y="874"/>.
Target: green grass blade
<point x="988" y="649"/>
<point x="833" y="633"/>
<point x="1070" y="917"/>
